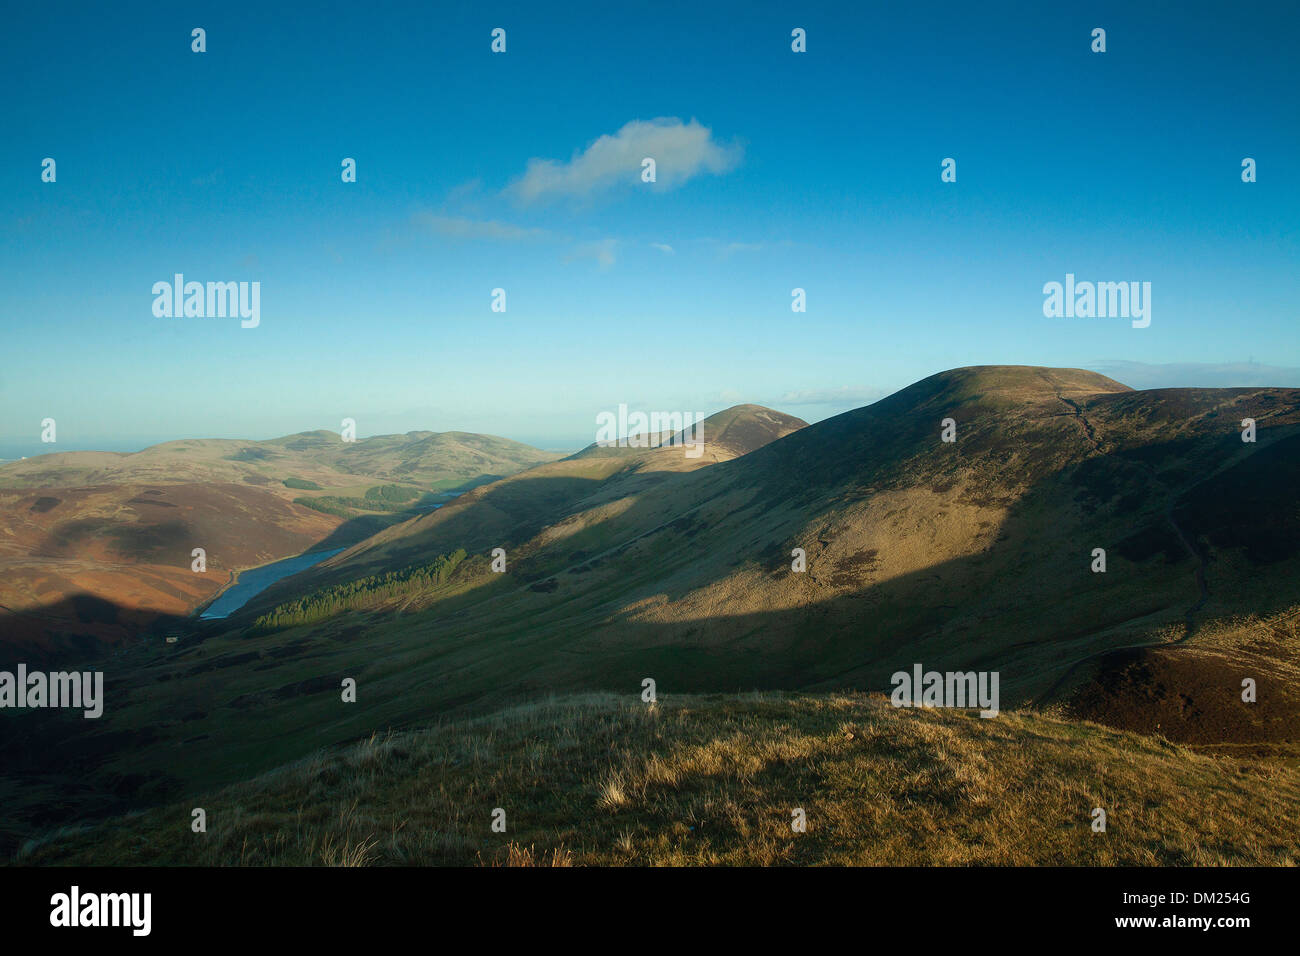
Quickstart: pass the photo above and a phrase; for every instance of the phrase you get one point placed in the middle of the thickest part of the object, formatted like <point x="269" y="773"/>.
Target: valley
<point x="98" y="546"/>
<point x="630" y="563"/>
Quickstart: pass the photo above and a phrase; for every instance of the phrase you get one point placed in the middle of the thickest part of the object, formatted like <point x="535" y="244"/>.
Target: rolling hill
<point x="98" y="545"/>
<point x="448" y="459"/>
<point x="729" y="434"/>
<point x="974" y="554"/>
<point x="520" y="507"/>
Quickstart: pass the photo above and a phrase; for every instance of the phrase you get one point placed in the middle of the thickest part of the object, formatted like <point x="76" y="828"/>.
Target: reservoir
<point x="256" y="580"/>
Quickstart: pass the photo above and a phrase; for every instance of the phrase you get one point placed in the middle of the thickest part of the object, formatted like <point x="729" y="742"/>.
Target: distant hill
<point x="517" y="508"/>
<point x="728" y="434"/>
<point x="98" y="544"/>
<point x="441" y="459"/>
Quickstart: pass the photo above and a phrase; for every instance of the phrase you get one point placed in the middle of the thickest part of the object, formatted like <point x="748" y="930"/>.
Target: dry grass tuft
<point x="599" y="780"/>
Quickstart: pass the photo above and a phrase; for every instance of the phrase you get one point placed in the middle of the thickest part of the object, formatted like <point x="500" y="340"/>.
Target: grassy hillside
<point x="512" y="511"/>
<point x="971" y="555"/>
<point x="916" y="549"/>
<point x="609" y="780"/>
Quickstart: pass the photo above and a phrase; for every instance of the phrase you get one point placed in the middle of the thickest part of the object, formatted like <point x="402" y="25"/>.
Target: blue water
<point x="254" y="582"/>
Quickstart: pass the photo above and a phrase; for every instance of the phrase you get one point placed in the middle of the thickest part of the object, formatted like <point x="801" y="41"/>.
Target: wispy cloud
<point x="844" y="395"/>
<point x="458" y="227"/>
<point x="663" y="247"/>
<point x="1198" y="374"/>
<point x="681" y="151"/>
<point x="602" y="251"/>
<point x="732" y="248"/>
<point x="724" y="248"/>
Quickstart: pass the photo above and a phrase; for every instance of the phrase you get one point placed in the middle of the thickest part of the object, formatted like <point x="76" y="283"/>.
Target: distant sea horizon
<point x="12" y="450"/>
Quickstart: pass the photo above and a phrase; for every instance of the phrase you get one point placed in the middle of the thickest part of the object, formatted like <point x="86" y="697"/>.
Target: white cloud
<point x="457" y="227"/>
<point x="1198" y="374"/>
<point x="844" y="395"/>
<point x="734" y="247"/>
<point x="725" y="248"/>
<point x="681" y="151"/>
<point x="663" y="247"/>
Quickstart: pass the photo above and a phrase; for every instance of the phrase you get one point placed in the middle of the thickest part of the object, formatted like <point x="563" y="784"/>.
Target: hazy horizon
<point x="1137" y="375"/>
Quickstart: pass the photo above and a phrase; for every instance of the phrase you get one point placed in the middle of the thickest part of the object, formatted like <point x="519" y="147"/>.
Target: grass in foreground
<point x="604" y="780"/>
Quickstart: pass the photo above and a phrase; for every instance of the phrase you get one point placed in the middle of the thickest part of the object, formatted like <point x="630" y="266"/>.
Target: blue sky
<point x="477" y="171"/>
